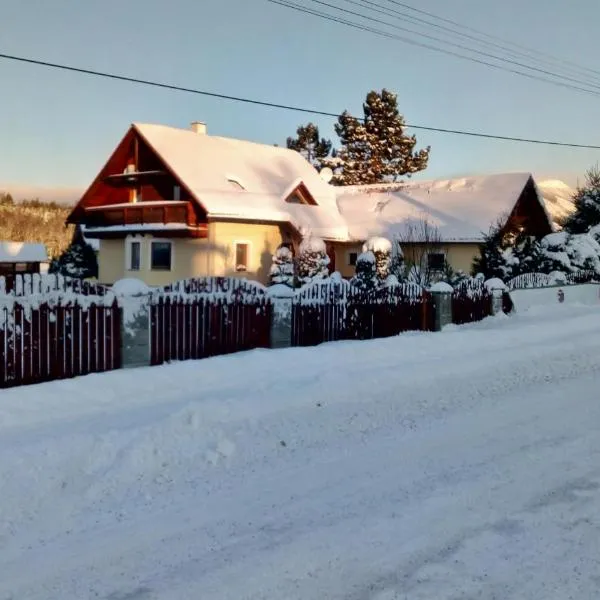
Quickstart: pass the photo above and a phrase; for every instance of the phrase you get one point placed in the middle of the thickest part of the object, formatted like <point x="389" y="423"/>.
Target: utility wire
<point x="455" y="44"/>
<point x="491" y="36"/>
<point x="504" y="47"/>
<point x="265" y="103"/>
<point x="391" y="36"/>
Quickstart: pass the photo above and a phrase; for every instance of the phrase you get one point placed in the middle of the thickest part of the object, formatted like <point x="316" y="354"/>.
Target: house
<point x="171" y="204"/>
<point x="21" y="258"/>
<point x="445" y="220"/>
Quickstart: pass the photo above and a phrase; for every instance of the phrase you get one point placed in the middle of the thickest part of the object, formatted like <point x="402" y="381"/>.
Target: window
<point x="160" y="256"/>
<point x="135" y="254"/>
<point x="21" y="268"/>
<point x="241" y="257"/>
<point x="295" y="199"/>
<point x="436" y="261"/>
<point x="352" y="258"/>
<point x="176" y="192"/>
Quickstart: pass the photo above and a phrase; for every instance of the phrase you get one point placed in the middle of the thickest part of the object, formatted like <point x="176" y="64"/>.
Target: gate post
<point x="133" y="297"/>
<point x="497" y="288"/>
<point x="281" y="315"/>
<point x="442" y="303"/>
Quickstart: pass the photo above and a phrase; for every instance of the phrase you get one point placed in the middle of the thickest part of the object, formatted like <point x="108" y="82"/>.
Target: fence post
<point x="134" y="299"/>
<point x="281" y="316"/>
<point x="497" y="288"/>
<point x="442" y="305"/>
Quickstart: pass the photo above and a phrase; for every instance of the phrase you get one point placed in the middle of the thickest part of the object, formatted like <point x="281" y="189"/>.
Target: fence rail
<point x="208" y="316"/>
<point x="49" y="342"/>
<point x="471" y="301"/>
<point x="332" y="311"/>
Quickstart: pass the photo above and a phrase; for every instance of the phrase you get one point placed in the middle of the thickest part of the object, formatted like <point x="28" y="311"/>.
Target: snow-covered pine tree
<point x="382" y="250"/>
<point x="308" y="143"/>
<point x="282" y="267"/>
<point x="376" y="149"/>
<point x="78" y="261"/>
<point x="365" y="278"/>
<point x="587" y="205"/>
<point x="312" y="261"/>
<point x="491" y="262"/>
<point x="528" y="256"/>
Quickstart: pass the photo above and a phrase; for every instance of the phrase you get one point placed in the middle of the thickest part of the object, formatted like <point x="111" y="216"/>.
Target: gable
<point x="134" y="171"/>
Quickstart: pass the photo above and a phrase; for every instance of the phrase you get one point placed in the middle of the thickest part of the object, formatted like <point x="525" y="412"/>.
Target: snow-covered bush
<point x="282" y="267"/>
<point x="382" y="251"/>
<point x="397" y="264"/>
<point x="587" y="205"/>
<point x="569" y="253"/>
<point x="312" y="261"/>
<point x="366" y="276"/>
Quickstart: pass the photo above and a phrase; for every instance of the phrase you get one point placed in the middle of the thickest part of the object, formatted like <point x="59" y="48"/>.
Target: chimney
<point x="199" y="127"/>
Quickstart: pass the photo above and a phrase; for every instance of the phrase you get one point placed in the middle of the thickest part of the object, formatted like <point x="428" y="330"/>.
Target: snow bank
<point x="343" y="471"/>
<point x="574" y="295"/>
<point x="280" y="290"/>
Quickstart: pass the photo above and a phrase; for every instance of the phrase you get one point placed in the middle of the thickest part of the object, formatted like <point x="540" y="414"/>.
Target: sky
<point x="57" y="129"/>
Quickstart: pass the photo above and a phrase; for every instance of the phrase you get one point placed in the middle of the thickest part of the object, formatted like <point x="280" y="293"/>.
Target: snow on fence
<point x="334" y="310"/>
<point x="208" y="316"/>
<point x="28" y="284"/>
<point x="471" y="301"/>
<point x="541" y="280"/>
<point x="57" y="337"/>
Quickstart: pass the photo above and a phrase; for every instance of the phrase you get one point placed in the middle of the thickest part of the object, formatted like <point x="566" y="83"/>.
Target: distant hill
<point x="558" y="197"/>
<point x="35" y="221"/>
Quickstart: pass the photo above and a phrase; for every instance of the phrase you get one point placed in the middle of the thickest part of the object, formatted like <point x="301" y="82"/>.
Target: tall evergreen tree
<point x="587" y="205"/>
<point x="376" y="149"/>
<point x="308" y="143"/>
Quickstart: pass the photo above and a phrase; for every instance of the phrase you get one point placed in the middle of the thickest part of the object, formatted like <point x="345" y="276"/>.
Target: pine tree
<point x="6" y="199"/>
<point x="78" y="261"/>
<point x="282" y="267"/>
<point x="528" y="256"/>
<point x="587" y="205"/>
<point x="491" y="261"/>
<point x="382" y="250"/>
<point x="377" y="149"/>
<point x="312" y="261"/>
<point x="308" y="143"/>
<point x="365" y="278"/>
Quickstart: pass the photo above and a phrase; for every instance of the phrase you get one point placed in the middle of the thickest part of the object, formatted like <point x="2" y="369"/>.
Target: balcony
<point x="177" y="217"/>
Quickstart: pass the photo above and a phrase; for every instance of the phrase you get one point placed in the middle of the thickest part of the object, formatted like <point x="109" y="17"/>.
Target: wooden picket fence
<point x="471" y="301"/>
<point x="206" y="317"/>
<point x="335" y="310"/>
<point x="50" y="341"/>
<point x="39" y="284"/>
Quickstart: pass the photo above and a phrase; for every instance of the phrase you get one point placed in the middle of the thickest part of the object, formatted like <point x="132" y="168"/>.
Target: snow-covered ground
<point x="458" y="465"/>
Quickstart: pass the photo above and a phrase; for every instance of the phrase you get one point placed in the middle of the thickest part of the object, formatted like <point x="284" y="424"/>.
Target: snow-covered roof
<point x="462" y="209"/>
<point x="14" y="252"/>
<point x="244" y="180"/>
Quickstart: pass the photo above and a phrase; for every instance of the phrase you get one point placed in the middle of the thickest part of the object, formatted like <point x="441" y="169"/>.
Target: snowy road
<point x="458" y="465"/>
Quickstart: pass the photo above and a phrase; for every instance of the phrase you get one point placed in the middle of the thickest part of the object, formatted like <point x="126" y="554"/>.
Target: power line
<point x="267" y="104"/>
<point x="491" y="36"/>
<point x="505" y="46"/>
<point x="391" y="36"/>
<point x="456" y="45"/>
